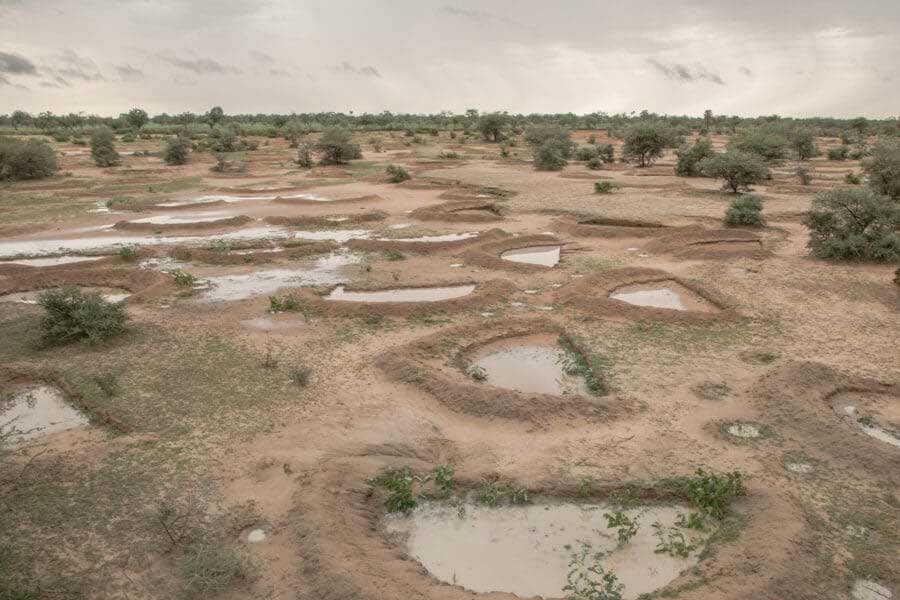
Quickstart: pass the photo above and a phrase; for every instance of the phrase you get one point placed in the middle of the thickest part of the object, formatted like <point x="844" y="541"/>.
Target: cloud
<point x="200" y="66"/>
<point x="347" y="68"/>
<point x="4" y="81"/>
<point x="279" y="73"/>
<point x="262" y="57"/>
<point x="16" y="64"/>
<point x="681" y="73"/>
<point x="129" y="73"/>
<point x="481" y="17"/>
<point x="69" y="64"/>
<point x="746" y="71"/>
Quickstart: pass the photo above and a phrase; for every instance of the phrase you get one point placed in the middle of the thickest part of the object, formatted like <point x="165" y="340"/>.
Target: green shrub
<point x="393" y="255"/>
<point x="449" y="155"/>
<point x="852" y="178"/>
<point x="605" y="187"/>
<point x="883" y="168"/>
<point x="710" y="493"/>
<point x="287" y="303"/>
<point x="176" y="151"/>
<point x="803" y="142"/>
<point x="689" y="157"/>
<point x="606" y="153"/>
<point x="336" y="146"/>
<point x="766" y="144"/>
<point x="61" y="136"/>
<point x="304" y="157"/>
<point x="399" y="485"/>
<point x="549" y="157"/>
<point x="854" y="224"/>
<point x="738" y="169"/>
<point x="586" y="154"/>
<point x="587" y="579"/>
<point x="595" y="164"/>
<point x="128" y="137"/>
<point x="744" y="211"/>
<point x="210" y="569"/>
<point x="396" y="173"/>
<point x="547" y="138"/>
<point x="182" y="278"/>
<point x="492" y="125"/>
<point x="33" y="159"/>
<point x="300" y="375"/>
<point x="645" y="142"/>
<point x="804" y="174"/>
<point x="838" y="153"/>
<point x="127" y="253"/>
<point x="858" y="154"/>
<point x="102" y="149"/>
<point x="72" y="316"/>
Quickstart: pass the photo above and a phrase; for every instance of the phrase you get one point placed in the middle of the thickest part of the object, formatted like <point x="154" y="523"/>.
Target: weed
<point x="710" y="493"/>
<point x="605" y="187"/>
<point x="287" y="303"/>
<point x="494" y="490"/>
<point x="587" y="580"/>
<point x="210" y="568"/>
<point x="398" y="483"/>
<point x="182" y="278"/>
<point x="867" y="420"/>
<point x="396" y="174"/>
<point x="672" y="542"/>
<point x="585" y="487"/>
<point x="576" y="364"/>
<point x="691" y="521"/>
<point x="443" y="479"/>
<point x="127" y="253"/>
<point x="393" y="255"/>
<point x="477" y="373"/>
<point x="177" y="521"/>
<point x="626" y="528"/>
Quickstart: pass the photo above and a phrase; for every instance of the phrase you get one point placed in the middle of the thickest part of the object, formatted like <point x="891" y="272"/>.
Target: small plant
<point x="711" y="493"/>
<point x="287" y="303"/>
<point x="625" y="527"/>
<point x="605" y="187"/>
<point x="587" y="580"/>
<point x="102" y="150"/>
<point x="494" y="490"/>
<point x="691" y="521"/>
<point x="127" y="253"/>
<point x="72" y="316"/>
<point x="393" y="255"/>
<point x="585" y="487"/>
<point x="745" y="211"/>
<point x="576" y="364"/>
<point x="838" y="152"/>
<point x="443" y="479"/>
<point x="595" y="164"/>
<point x="852" y="178"/>
<point x="177" y="150"/>
<point x="672" y="542"/>
<point x="108" y="383"/>
<point x="396" y="174"/>
<point x="867" y="420"/>
<point x="209" y="568"/>
<point x="449" y="155"/>
<point x="477" y="373"/>
<point x="182" y="278"/>
<point x="399" y="485"/>
<point x="804" y="175"/>
<point x="300" y="375"/>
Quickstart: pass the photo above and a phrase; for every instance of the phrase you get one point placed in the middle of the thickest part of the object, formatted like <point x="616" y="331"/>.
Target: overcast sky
<point x="797" y="58"/>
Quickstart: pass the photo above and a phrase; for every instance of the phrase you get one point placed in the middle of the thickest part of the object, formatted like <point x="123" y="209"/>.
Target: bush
<point x="177" y="149"/>
<point x="337" y="147"/>
<point x="396" y="174"/>
<point x="209" y="569"/>
<point x="745" y="210"/>
<point x="604" y="187"/>
<point x="738" y="169"/>
<point x="304" y="157"/>
<point x="128" y="137"/>
<point x="300" y="375"/>
<point x="553" y="137"/>
<point x="804" y="143"/>
<point x="549" y="157"/>
<point x="492" y="125"/>
<point x="765" y="144"/>
<point x="804" y="175"/>
<point x="646" y="142"/>
<point x="854" y="224"/>
<point x="102" y="149"/>
<point x="33" y="159"/>
<point x="838" y="152"/>
<point x="606" y="153"/>
<point x="595" y="164"/>
<point x="852" y="178"/>
<point x="586" y="154"/>
<point x="72" y="316"/>
<point x="61" y="136"/>
<point x="883" y="169"/>
<point x="689" y="157"/>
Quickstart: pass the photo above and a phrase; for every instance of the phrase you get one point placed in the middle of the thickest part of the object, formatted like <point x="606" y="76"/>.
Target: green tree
<point x="177" y="150"/>
<point x="551" y="136"/>
<point x="738" y="169"/>
<point x="102" y="150"/>
<point x="646" y="142"/>
<point x="769" y="145"/>
<point x="337" y="147"/>
<point x="215" y="115"/>
<point x="854" y="224"/>
<point x="689" y="157"/>
<point x="492" y="125"/>
<point x="883" y="168"/>
<point x="137" y="117"/>
<point x="803" y="142"/>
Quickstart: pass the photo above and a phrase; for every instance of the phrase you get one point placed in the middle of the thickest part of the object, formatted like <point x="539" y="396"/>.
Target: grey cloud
<point x="684" y="74"/>
<point x="262" y="57"/>
<point x="200" y="66"/>
<point x="746" y="71"/>
<point x="279" y="72"/>
<point x="346" y="67"/>
<point x="16" y="64"/>
<point x="478" y="16"/>
<point x="4" y="80"/>
<point x="129" y="73"/>
<point x="73" y="66"/>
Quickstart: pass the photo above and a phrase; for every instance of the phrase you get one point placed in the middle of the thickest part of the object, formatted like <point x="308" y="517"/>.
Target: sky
<point x="810" y="58"/>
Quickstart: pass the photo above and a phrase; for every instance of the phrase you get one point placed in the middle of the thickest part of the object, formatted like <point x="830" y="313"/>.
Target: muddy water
<point x="880" y="414"/>
<point x="185" y="218"/>
<point x="37" y="411"/>
<point x="424" y="294"/>
<point x="546" y="256"/>
<point x="532" y="364"/>
<point x="31" y="297"/>
<point x="449" y="237"/>
<point x="662" y="294"/>
<point x="326" y="271"/>
<point x="526" y="550"/>
<point x="230" y="199"/>
<point x="52" y="262"/>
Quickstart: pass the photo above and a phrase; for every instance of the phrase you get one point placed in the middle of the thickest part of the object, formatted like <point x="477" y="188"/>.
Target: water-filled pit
<point x="876" y="415"/>
<point x="546" y="256"/>
<point x="528" y="550"/>
<point x="433" y="239"/>
<point x="421" y="294"/>
<point x="185" y="218"/>
<point x="51" y="261"/>
<point x="662" y="294"/>
<point x="32" y="296"/>
<point x="533" y="364"/>
<point x="38" y="410"/>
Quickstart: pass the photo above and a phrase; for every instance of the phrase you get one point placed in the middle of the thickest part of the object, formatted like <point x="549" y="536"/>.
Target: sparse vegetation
<point x="605" y="187"/>
<point x="396" y="174"/>
<point x="73" y="316"/>
<point x="854" y="224"/>
<point x="300" y="375"/>
<point x="588" y="580"/>
<point x="212" y="568"/>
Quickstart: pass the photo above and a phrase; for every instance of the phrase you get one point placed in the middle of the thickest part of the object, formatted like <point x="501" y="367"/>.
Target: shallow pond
<point x="38" y="410"/>
<point x="662" y="294"/>
<point x="546" y="256"/>
<point x="423" y="294"/>
<point x="31" y="297"/>
<point x="53" y="261"/>
<point x="531" y="365"/>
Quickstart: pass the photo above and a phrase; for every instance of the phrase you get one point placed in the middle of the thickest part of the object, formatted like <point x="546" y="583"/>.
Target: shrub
<point x="549" y="157"/>
<point x="393" y="255"/>
<point x="396" y="174"/>
<point x="745" y="210"/>
<point x="838" y="152"/>
<point x="585" y="154"/>
<point x="711" y="493"/>
<point x="300" y="375"/>
<point x="449" y="155"/>
<point x="854" y="224"/>
<point x="377" y="145"/>
<point x="553" y="137"/>
<point x="804" y="143"/>
<point x="492" y="125"/>
<point x="766" y="144"/>
<point x="858" y="154"/>
<point x="606" y="153"/>
<point x="102" y="149"/>
<point x="605" y="187"/>
<point x="72" y="316"/>
<point x="304" y="157"/>
<point x="127" y="253"/>
<point x="337" y="147"/>
<point x="128" y="137"/>
<point x="399" y="485"/>
<point x="883" y="168"/>
<point x="210" y="569"/>
<point x="804" y="175"/>
<point x="61" y="136"/>
<point x="738" y="169"/>
<point x="595" y="164"/>
<point x="852" y="178"/>
<point x="689" y="157"/>
<point x="176" y="152"/>
<point x="137" y="117"/>
<point x="33" y="159"/>
<point x="646" y="142"/>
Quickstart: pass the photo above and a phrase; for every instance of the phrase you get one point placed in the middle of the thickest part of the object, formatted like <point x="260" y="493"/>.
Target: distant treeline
<point x="24" y="123"/>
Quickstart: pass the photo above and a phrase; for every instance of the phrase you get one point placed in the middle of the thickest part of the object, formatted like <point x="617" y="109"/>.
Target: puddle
<point x="866" y="589"/>
<point x="527" y="550"/>
<point x="31" y="297"/>
<point x="265" y="282"/>
<point x="531" y="365"/>
<point x="743" y="430"/>
<point x="449" y="237"/>
<point x="49" y="262"/>
<point x="37" y="411"/>
<point x="876" y="415"/>
<point x="185" y="219"/>
<point x="81" y="244"/>
<point x="423" y="294"/>
<point x="231" y="199"/>
<point x="546" y="256"/>
<point x="661" y="294"/>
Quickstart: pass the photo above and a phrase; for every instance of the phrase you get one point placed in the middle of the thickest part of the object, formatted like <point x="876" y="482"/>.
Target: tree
<point x="646" y="142"/>
<point x="883" y="168"/>
<point x="803" y="142"/>
<point x="767" y="144"/>
<point x="689" y="157"/>
<point x="854" y="224"/>
<point x="137" y="118"/>
<point x="738" y="169"/>
<point x="33" y="159"/>
<point x="102" y="150"/>
<point x="20" y="118"/>
<point x="491" y="126"/>
<point x="554" y="136"/>
<point x="549" y="158"/>
<point x="177" y="149"/>
<point x="215" y="115"/>
<point x="707" y="119"/>
<point x="337" y="147"/>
